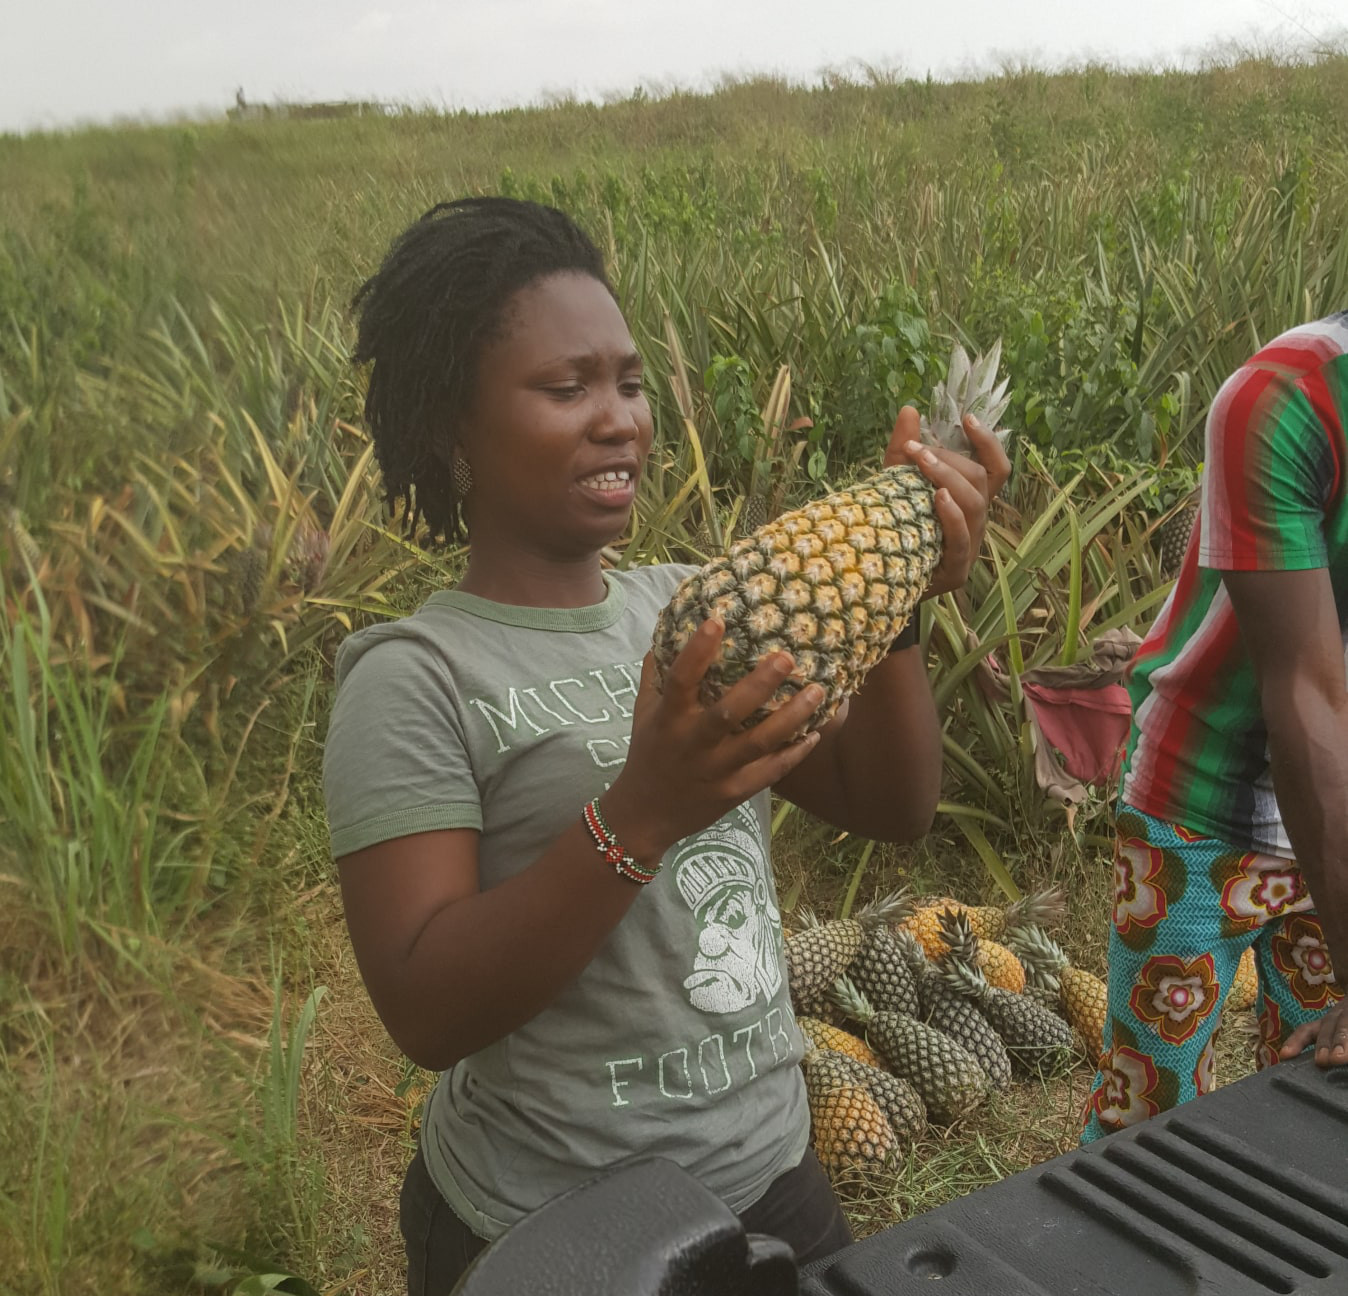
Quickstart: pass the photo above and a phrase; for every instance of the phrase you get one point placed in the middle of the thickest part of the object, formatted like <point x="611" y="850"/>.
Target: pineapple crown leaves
<point x="1040" y="909"/>
<point x="958" y="933"/>
<point x="911" y="950"/>
<point x="968" y="389"/>
<point x="887" y="910"/>
<point x="959" y="964"/>
<point x="1039" y="952"/>
<point x="848" y="996"/>
<point x="965" y="979"/>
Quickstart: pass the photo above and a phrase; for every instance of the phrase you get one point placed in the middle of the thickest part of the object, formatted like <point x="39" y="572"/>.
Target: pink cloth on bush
<point x="1089" y="726"/>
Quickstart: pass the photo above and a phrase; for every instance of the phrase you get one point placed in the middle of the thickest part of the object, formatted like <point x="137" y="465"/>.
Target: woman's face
<point x="558" y="428"/>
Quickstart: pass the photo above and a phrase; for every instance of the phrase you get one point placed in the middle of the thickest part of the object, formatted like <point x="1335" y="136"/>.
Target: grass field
<point x="194" y="1092"/>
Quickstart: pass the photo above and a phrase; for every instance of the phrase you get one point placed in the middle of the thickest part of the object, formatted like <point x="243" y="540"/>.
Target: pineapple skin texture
<point x="848" y="1127"/>
<point x="832" y="584"/>
<point x="824" y="1036"/>
<point x="1245" y="985"/>
<point x="1085" y="1003"/>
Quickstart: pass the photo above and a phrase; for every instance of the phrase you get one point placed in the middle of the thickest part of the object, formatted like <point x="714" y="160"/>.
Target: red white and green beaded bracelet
<point x="608" y="846"/>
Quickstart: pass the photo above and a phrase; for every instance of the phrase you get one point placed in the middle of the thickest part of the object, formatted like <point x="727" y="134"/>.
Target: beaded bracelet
<point x="906" y="638"/>
<point x="607" y="845"/>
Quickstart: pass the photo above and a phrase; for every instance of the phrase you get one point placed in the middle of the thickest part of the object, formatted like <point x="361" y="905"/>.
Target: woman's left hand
<point x="964" y="487"/>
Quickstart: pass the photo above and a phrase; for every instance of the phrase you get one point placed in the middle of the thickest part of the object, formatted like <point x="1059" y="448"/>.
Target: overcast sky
<point x="67" y="61"/>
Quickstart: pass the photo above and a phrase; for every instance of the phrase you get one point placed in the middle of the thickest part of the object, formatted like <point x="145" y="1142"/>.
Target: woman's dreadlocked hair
<point x="423" y="319"/>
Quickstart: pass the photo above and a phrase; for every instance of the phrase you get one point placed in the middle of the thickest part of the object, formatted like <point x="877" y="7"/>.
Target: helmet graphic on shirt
<point x="721" y="873"/>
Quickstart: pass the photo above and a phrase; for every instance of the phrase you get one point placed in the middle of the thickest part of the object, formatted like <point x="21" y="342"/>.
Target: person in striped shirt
<point x="1233" y="814"/>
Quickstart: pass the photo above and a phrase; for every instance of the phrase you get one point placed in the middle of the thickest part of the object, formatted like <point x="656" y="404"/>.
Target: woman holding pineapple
<point x="556" y="874"/>
<point x="1233" y="824"/>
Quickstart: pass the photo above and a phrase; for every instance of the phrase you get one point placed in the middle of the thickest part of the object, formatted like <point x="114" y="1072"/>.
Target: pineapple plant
<point x="15" y="535"/>
<point x="900" y="1102"/>
<point x="1038" y="1040"/>
<point x="957" y="1016"/>
<point x="950" y="1080"/>
<point x="1245" y="984"/>
<point x="847" y="1126"/>
<point x="1082" y="997"/>
<point x="822" y="1035"/>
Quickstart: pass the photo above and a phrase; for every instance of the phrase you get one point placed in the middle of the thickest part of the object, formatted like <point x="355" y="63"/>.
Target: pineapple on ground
<point x="824" y="1036"/>
<point x="957" y="1016"/>
<point x="1037" y="1040"/>
<point x="900" y="1102"/>
<point x="881" y="969"/>
<point x="1001" y="966"/>
<point x="848" y="1128"/>
<point x="818" y="954"/>
<point x="950" y="1080"/>
<point x="1245" y="984"/>
<point x="987" y="922"/>
<point x="832" y="583"/>
<point x="1082" y="997"/>
<point x="820" y="1007"/>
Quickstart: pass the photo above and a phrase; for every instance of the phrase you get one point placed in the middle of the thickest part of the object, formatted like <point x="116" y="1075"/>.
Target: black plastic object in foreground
<point x="1241" y="1193"/>
<point x="646" y="1228"/>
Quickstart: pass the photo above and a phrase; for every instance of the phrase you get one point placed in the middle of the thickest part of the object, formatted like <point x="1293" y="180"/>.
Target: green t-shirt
<point x="678" y="1038"/>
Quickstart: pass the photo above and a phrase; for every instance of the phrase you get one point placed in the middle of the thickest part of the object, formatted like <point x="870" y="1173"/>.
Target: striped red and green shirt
<point x="1273" y="499"/>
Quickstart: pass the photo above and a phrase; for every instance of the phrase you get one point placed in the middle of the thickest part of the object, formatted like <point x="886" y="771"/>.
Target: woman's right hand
<point x="688" y="762"/>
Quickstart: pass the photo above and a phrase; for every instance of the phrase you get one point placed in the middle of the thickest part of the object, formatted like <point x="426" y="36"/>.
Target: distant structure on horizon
<point x="245" y="111"/>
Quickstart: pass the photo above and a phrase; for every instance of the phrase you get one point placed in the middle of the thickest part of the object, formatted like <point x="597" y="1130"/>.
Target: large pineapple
<point x="1082" y="996"/>
<point x="835" y="582"/>
<point x="832" y="584"/>
<point x="824" y="1036"/>
<point x="848" y="1127"/>
<point x="881" y="969"/>
<point x="949" y="1078"/>
<point x="1037" y="1040"/>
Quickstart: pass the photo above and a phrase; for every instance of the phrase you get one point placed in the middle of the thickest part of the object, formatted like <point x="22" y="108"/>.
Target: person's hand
<point x="1330" y="1033"/>
<point x="688" y="763"/>
<point x="964" y="487"/>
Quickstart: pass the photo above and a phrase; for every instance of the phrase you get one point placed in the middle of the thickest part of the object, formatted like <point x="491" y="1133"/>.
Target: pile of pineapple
<point x="917" y="1011"/>
<point x="914" y="1014"/>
